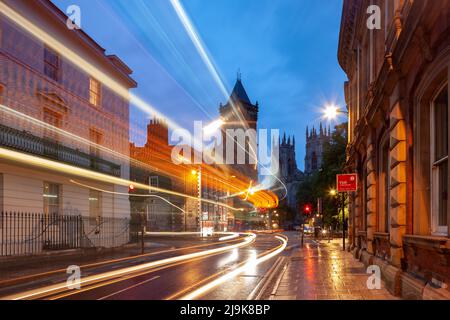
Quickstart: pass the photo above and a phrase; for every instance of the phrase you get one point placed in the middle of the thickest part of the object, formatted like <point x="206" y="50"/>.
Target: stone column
<point x="398" y="154"/>
<point x="371" y="194"/>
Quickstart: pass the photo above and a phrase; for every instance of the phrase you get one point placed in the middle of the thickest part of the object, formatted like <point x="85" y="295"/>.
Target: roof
<point x="239" y="93"/>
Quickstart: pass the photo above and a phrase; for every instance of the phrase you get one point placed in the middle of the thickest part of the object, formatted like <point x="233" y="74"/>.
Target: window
<point x="95" y="206"/>
<point x="1" y="94"/>
<point x="51" y="64"/>
<point x="439" y="185"/>
<point x="314" y="161"/>
<point x="96" y="138"/>
<point x="54" y="119"/>
<point x="52" y="197"/>
<point x="153" y="182"/>
<point x="94" y="92"/>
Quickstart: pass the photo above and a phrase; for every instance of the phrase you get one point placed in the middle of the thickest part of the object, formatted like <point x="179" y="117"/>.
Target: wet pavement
<point x="322" y="271"/>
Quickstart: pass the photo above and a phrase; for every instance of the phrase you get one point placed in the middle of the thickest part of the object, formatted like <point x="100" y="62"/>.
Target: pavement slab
<point x="321" y="270"/>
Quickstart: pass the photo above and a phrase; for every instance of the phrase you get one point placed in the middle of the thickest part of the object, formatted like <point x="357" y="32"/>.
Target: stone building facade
<point x="397" y="97"/>
<point x="54" y="110"/>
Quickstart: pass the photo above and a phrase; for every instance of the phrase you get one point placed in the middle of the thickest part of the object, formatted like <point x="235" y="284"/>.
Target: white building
<point x="55" y="106"/>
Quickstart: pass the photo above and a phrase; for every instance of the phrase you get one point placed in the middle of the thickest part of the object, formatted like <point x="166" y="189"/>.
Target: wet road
<point x="176" y="279"/>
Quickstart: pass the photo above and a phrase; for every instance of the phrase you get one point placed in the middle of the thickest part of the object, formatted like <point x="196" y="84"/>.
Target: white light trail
<point x="57" y="288"/>
<point x="250" y="263"/>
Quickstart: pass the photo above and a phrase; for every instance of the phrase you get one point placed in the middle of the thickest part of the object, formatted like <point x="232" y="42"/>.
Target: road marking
<point x="130" y="287"/>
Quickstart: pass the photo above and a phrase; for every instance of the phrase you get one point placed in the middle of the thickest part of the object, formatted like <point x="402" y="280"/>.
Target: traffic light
<point x="131" y="188"/>
<point x="307" y="209"/>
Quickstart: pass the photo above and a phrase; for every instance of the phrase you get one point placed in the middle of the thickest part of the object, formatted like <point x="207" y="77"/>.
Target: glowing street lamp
<point x="333" y="192"/>
<point x="331" y="112"/>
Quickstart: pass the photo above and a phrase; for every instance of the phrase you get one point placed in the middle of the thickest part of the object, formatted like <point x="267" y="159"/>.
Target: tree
<point x="319" y="184"/>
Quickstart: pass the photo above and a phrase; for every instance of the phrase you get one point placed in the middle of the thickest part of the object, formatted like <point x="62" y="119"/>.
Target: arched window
<point x="439" y="161"/>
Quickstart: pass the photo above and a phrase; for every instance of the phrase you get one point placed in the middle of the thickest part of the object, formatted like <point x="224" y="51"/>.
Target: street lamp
<point x="331" y="112"/>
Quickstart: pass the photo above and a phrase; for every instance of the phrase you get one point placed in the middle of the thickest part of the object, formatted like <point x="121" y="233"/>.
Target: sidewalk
<point x="322" y="271"/>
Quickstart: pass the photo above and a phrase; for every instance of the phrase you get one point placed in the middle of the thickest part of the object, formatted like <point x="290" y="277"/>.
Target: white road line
<point x="128" y="288"/>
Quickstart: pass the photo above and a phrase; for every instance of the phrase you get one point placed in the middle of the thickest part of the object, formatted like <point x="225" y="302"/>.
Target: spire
<point x="284" y="138"/>
<point x="239" y="92"/>
<point x="289" y="140"/>
<point x="307" y="133"/>
<point x="293" y="140"/>
<point x="321" y="129"/>
<point x="239" y="75"/>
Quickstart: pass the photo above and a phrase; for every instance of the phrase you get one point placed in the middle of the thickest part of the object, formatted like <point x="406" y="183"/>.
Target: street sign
<point x="346" y="182"/>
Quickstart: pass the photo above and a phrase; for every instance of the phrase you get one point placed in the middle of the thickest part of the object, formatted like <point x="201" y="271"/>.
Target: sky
<point x="285" y="50"/>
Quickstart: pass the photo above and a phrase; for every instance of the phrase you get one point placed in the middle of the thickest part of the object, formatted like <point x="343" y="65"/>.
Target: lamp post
<point x="198" y="173"/>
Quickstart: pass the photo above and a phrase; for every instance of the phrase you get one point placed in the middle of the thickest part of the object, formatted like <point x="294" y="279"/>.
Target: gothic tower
<point x="289" y="174"/>
<point x="315" y="141"/>
<point x="241" y="113"/>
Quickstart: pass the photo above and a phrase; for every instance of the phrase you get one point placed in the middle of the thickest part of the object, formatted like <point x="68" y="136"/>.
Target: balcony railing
<point x="26" y="142"/>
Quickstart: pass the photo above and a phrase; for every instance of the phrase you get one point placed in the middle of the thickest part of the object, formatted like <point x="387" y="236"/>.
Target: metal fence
<point x="33" y="233"/>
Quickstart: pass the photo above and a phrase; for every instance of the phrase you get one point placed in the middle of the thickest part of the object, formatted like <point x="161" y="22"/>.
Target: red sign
<point x="346" y="182"/>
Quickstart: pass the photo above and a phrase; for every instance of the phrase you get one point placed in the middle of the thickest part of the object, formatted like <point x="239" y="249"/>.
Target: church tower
<point x="288" y="172"/>
<point x="315" y="141"/>
<point x="240" y="113"/>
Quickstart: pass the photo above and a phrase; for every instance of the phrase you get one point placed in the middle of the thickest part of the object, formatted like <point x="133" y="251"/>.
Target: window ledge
<point x="436" y="242"/>
<point x="381" y="235"/>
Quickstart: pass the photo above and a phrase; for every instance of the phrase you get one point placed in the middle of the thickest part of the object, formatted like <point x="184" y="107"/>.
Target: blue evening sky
<point x="286" y="51"/>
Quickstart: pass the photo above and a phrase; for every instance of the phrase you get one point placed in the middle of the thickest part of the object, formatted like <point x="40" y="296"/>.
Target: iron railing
<point x="52" y="149"/>
<point x="33" y="233"/>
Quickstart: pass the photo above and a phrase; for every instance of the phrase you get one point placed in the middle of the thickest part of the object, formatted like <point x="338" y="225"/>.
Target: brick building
<point x="397" y="97"/>
<point x="53" y="111"/>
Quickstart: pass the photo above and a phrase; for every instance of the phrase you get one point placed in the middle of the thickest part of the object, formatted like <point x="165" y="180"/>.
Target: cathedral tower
<point x="315" y="141"/>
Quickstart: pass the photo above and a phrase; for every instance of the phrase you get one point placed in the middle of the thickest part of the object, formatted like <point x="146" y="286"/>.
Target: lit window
<point x="51" y="198"/>
<point x="94" y="92"/>
<point x="439" y="155"/>
<point x="95" y="206"/>
<point x="51" y="64"/>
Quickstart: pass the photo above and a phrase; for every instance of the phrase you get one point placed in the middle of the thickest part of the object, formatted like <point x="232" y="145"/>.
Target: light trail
<point x="127" y="194"/>
<point x="112" y="84"/>
<point x="228" y="276"/>
<point x="85" y="65"/>
<point x="97" y="264"/>
<point x="57" y="288"/>
<point x="41" y="124"/>
<point x="198" y="43"/>
<point x="91" y="175"/>
<point x="233" y="235"/>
